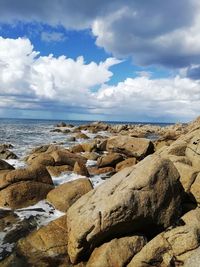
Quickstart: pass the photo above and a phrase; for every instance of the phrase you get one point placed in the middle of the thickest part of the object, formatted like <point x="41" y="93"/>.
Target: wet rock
<point x="7" y="154"/>
<point x="117" y="252"/>
<point x="81" y="136"/>
<point x="63" y="196"/>
<point x="130" y="146"/>
<point x="58" y="170"/>
<point x="146" y="198"/>
<point x="109" y="160"/>
<point x="5" y="166"/>
<point x="81" y="169"/>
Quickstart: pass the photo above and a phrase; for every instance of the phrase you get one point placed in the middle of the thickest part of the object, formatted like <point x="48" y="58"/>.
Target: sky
<point x="119" y="60"/>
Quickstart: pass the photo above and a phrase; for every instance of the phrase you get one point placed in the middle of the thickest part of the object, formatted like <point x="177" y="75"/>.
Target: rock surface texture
<point x="134" y="199"/>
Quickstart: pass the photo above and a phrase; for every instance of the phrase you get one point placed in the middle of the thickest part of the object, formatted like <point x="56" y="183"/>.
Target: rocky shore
<point x="144" y="212"/>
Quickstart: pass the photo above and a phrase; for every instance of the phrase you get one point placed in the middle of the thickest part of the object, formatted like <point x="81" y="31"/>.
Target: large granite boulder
<point x="145" y="198"/>
<point x="130" y="146"/>
<point x="24" y="187"/>
<point x="172" y="247"/>
<point x="118" y="252"/>
<point x="63" y="196"/>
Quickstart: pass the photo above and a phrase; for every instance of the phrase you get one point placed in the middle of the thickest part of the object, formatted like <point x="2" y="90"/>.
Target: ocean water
<point x="25" y="135"/>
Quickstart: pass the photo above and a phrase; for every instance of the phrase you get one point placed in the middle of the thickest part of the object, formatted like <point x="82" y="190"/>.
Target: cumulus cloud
<point x="31" y="81"/>
<point x="61" y="80"/>
<point x="152" y="32"/>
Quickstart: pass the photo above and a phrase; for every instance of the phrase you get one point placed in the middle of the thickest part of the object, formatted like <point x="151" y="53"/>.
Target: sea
<point x="24" y="135"/>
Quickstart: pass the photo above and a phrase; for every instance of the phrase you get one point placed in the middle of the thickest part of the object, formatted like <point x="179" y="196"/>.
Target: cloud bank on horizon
<point x="151" y="33"/>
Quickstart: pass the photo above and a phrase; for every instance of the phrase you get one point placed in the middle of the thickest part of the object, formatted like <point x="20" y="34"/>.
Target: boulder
<point x="24" y="187"/>
<point x="187" y="174"/>
<point x="76" y="149"/>
<point x="41" y="159"/>
<point x="58" y="170"/>
<point x="97" y="171"/>
<point x="125" y="163"/>
<point x="46" y="246"/>
<point x="118" y="252"/>
<point x="5" y="166"/>
<point x="23" y="194"/>
<point x="64" y="157"/>
<point x="130" y="146"/>
<point x="33" y="173"/>
<point x="81" y="169"/>
<point x="81" y="136"/>
<point x="109" y="160"/>
<point x="89" y="147"/>
<point x="7" y="154"/>
<point x="146" y="198"/>
<point x="63" y="196"/>
<point x="195" y="189"/>
<point x="193" y="151"/>
<point x="91" y="155"/>
<point x="172" y="247"/>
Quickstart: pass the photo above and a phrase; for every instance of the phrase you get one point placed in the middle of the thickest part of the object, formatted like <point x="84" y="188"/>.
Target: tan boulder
<point x="195" y="188"/>
<point x="81" y="169"/>
<point x="132" y="200"/>
<point x="91" y="155"/>
<point x="172" y="247"/>
<point x="24" y="187"/>
<point x="89" y="147"/>
<point x="77" y="149"/>
<point x="46" y="246"/>
<point x="23" y="194"/>
<point x="41" y="159"/>
<point x="109" y="160"/>
<point x="193" y="151"/>
<point x="97" y="171"/>
<point x="125" y="163"/>
<point x="64" y="157"/>
<point x="187" y="174"/>
<point x="58" y="170"/>
<point x="118" y="252"/>
<point x="63" y="196"/>
<point x="5" y="166"/>
<point x="32" y="173"/>
<point x="130" y="146"/>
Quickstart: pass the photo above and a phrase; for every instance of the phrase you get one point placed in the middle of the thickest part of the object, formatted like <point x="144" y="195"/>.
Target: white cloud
<point x="31" y="81"/>
<point x="152" y="32"/>
<point x="53" y="36"/>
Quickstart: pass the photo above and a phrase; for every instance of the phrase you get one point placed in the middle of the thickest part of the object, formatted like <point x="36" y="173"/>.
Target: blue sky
<point x="100" y="60"/>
